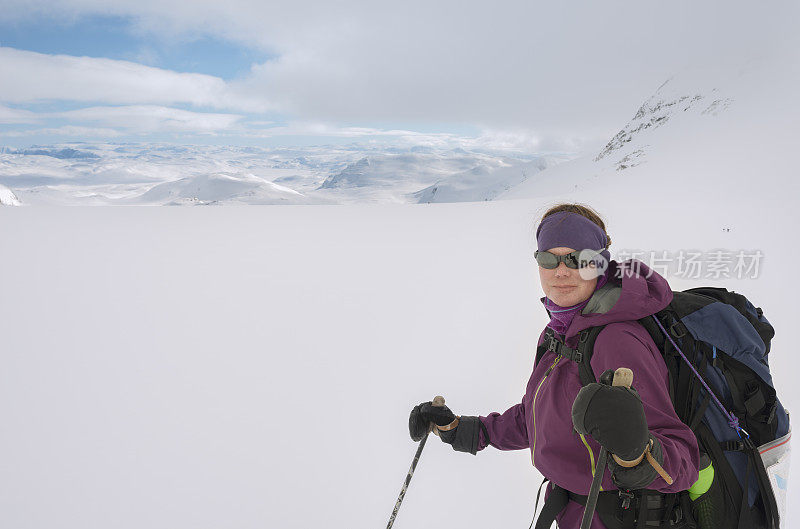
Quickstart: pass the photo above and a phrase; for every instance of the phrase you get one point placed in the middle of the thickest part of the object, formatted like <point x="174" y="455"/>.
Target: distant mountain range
<point x="157" y="174"/>
<point x="692" y="126"/>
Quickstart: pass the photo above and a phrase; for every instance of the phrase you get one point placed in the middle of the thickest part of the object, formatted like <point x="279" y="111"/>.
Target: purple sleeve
<point x="507" y="431"/>
<point x="629" y="345"/>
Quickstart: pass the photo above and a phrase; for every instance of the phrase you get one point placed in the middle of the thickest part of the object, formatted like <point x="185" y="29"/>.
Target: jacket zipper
<point x="591" y="457"/>
<point x="535" y="395"/>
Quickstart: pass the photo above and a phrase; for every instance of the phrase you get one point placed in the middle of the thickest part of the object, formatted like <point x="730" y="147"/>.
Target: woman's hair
<point x="580" y="209"/>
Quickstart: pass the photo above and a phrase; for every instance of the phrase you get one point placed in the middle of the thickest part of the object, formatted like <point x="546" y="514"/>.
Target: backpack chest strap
<point x="561" y="349"/>
<point x="581" y="355"/>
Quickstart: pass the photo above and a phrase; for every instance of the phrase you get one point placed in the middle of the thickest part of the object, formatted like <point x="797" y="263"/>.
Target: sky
<point x="531" y="76"/>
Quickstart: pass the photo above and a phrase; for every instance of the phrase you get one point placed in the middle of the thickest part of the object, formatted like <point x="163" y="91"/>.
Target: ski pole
<point x="594" y="490"/>
<point x="437" y="401"/>
<point x="622" y="377"/>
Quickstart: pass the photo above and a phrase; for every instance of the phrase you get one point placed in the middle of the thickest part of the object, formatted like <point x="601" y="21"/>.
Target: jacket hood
<point x="643" y="292"/>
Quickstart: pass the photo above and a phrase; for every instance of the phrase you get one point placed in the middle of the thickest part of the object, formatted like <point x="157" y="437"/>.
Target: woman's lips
<point x="565" y="287"/>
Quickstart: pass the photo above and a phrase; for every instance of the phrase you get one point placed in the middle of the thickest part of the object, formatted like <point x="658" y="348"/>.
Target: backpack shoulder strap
<point x="586" y="340"/>
<point x="581" y="355"/>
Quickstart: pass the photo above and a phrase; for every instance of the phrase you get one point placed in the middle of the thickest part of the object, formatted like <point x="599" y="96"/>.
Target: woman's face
<point x="565" y="286"/>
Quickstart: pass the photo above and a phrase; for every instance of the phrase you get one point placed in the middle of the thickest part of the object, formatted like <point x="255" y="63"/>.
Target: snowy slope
<point x="483" y="182"/>
<point x="219" y="189"/>
<point x="197" y="359"/>
<point x="8" y="198"/>
<point x="452" y="176"/>
<point x="699" y="135"/>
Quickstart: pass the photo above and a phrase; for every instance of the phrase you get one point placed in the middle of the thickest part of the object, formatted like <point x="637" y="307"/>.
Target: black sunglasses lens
<point x="574" y="260"/>
<point x="571" y="260"/>
<point x="546" y="260"/>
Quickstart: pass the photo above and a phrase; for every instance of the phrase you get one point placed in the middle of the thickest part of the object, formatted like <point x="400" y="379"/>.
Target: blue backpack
<point x="715" y="345"/>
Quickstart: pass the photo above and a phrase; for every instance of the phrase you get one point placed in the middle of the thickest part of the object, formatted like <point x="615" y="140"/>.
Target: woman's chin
<point x="565" y="299"/>
<point x="561" y="301"/>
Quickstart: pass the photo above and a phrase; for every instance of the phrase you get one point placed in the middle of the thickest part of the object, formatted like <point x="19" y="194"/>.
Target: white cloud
<point x="574" y="71"/>
<point x="496" y="140"/>
<point x="14" y="115"/>
<point x="66" y="130"/>
<point x="149" y="118"/>
<point x="27" y="76"/>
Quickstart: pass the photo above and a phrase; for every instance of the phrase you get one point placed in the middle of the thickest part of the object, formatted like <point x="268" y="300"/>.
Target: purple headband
<point x="570" y="230"/>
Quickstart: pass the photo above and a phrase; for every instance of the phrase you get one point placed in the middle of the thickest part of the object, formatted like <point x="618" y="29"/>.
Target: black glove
<point x="614" y="417"/>
<point x="463" y="438"/>
<point x="426" y="413"/>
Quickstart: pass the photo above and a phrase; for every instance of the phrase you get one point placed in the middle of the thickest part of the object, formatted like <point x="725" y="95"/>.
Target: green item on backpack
<point x="705" y="480"/>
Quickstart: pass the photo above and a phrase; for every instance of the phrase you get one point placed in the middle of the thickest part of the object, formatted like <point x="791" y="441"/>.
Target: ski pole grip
<point x="623" y="377"/>
<point x="438" y="401"/>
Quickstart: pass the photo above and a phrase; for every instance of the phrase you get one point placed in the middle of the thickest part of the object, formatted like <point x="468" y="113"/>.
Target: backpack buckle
<point x="732" y="446"/>
<point x="625" y="497"/>
<point x="678" y="329"/>
<point x="577" y="357"/>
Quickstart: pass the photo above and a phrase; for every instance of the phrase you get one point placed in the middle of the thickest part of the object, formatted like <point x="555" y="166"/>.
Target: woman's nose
<point x="562" y="270"/>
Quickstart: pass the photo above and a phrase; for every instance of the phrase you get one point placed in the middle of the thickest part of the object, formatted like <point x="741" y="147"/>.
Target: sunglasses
<point x="576" y="259"/>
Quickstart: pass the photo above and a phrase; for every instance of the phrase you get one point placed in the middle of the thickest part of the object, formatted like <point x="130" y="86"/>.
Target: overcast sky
<point x="533" y="75"/>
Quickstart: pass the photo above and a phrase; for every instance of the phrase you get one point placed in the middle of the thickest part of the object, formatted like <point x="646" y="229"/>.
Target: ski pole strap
<point x="658" y="468"/>
<point x="650" y="459"/>
<point x="446" y="428"/>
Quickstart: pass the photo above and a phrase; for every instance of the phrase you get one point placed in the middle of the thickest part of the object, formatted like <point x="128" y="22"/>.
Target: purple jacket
<point x="543" y="423"/>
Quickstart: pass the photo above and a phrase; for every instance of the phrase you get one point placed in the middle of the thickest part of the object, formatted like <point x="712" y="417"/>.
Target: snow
<point x="252" y="367"/>
<point x="483" y="182"/>
<point x="156" y="174"/>
<point x="8" y="198"/>
<point x="255" y="366"/>
<point x="703" y="136"/>
<point x="219" y="188"/>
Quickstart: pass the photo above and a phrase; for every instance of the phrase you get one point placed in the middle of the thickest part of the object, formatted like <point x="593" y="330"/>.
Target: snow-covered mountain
<point x="219" y="189"/>
<point x="63" y="154"/>
<point x="483" y="182"/>
<point x="429" y="176"/>
<point x="739" y="124"/>
<point x="7" y="197"/>
<point x="696" y="132"/>
<point x="101" y="174"/>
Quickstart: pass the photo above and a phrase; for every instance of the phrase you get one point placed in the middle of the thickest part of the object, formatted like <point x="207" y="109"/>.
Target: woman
<point x="580" y="292"/>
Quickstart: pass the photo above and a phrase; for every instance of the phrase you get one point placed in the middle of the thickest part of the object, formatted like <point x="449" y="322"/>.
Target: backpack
<point x="715" y="344"/>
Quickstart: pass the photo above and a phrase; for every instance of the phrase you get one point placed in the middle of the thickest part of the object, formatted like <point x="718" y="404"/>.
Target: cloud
<point x="27" y="77"/>
<point x="66" y="130"/>
<point x="149" y="118"/>
<point x="572" y="71"/>
<point x="16" y="116"/>
<point x="518" y="140"/>
<point x="117" y="121"/>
